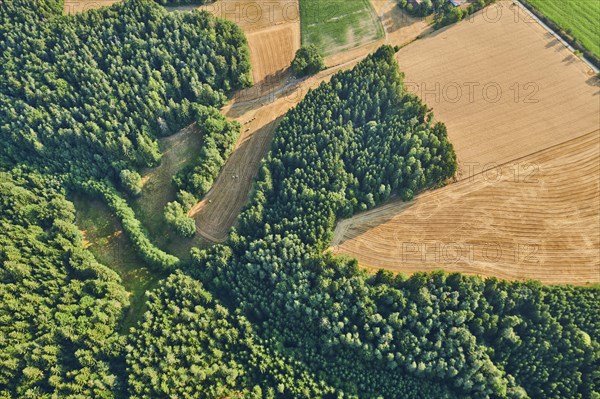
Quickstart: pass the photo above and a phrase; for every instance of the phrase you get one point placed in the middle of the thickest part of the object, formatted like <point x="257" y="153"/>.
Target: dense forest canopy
<point x="87" y="95"/>
<point x="271" y="313"/>
<point x="59" y="309"/>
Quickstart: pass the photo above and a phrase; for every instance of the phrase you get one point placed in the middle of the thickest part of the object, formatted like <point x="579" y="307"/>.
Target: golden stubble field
<point x="272" y="28"/>
<point x="536" y="218"/>
<point x="505" y="88"/>
<point x="528" y="112"/>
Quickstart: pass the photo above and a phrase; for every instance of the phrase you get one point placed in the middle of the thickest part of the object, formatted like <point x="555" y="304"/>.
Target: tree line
<point x="443" y="11"/>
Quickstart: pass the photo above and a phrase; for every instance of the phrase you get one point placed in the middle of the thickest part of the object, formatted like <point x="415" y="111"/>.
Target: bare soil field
<point x="536" y="218"/>
<point x="505" y="88"/>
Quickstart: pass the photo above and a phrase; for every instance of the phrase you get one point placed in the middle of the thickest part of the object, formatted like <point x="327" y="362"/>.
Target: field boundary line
<point x="556" y="35"/>
<point x="597" y="131"/>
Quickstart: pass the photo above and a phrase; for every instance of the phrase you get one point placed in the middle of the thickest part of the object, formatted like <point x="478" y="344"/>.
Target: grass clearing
<point x="179" y="150"/>
<point x="337" y="25"/>
<point x="104" y="237"/>
<point x="579" y="17"/>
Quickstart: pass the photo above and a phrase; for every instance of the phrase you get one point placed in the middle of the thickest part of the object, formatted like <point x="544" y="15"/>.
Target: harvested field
<point x="272" y="29"/>
<point x="537" y="218"/>
<point x="272" y="51"/>
<point x="504" y="88"/>
<point x="535" y="212"/>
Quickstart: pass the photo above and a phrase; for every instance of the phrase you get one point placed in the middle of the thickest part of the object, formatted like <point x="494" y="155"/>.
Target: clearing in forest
<point x="259" y="117"/>
<point x="522" y="107"/>
<point x="104" y="237"/>
<point x="178" y="151"/>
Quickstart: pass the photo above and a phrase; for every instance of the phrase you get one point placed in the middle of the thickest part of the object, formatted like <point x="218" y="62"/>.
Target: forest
<point x="270" y="313"/>
<point x="87" y="96"/>
<point x="59" y="309"/>
<point x="379" y="335"/>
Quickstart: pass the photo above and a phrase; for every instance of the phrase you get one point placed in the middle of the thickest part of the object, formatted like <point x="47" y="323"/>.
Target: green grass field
<point x="338" y="25"/>
<point x="104" y="237"/>
<point x="580" y="17"/>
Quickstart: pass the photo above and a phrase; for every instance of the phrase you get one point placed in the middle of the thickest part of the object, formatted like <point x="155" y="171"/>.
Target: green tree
<point x="307" y="61"/>
<point x="131" y="181"/>
<point x="177" y="218"/>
